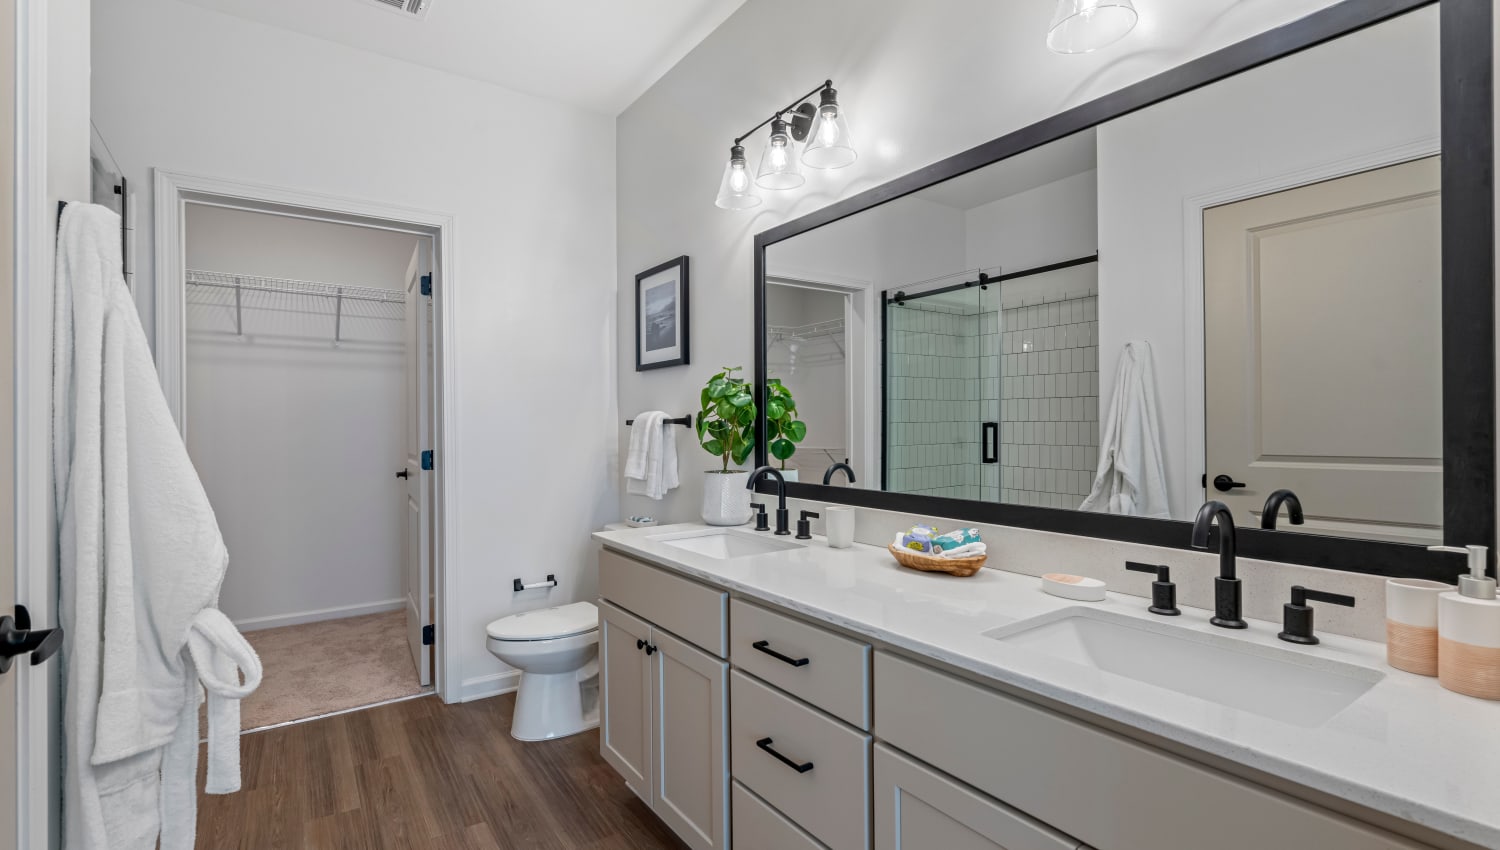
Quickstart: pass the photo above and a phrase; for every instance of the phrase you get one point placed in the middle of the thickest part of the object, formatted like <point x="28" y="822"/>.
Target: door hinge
<point x="427" y="459"/>
<point x="427" y="635"/>
<point x="427" y="285"/>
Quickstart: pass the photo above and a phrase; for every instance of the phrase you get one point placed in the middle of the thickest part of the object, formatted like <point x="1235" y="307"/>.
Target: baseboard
<point x="296" y="618"/>
<point x="494" y="684"/>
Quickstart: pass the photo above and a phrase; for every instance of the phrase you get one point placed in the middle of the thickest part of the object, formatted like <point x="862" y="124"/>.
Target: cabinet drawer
<point x="692" y="611"/>
<point x="829" y="799"/>
<point x="1105" y="789"/>
<point x="757" y="826"/>
<point x="917" y="808"/>
<point x="828" y="670"/>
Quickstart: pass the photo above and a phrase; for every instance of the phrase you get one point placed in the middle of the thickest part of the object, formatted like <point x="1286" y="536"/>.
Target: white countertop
<point x="1407" y="747"/>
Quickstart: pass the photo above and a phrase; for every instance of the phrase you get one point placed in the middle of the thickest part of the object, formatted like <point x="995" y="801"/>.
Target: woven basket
<point x="961" y="567"/>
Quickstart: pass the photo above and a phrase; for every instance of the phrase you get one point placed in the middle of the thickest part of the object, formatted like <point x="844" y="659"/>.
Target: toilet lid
<point x="546" y="623"/>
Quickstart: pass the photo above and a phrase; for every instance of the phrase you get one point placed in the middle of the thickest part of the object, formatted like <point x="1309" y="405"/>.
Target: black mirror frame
<point x="1468" y="298"/>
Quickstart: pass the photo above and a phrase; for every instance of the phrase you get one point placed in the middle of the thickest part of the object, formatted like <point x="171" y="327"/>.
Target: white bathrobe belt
<point x="222" y="655"/>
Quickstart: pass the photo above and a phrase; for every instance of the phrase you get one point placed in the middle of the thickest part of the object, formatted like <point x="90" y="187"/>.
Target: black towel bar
<point x="684" y="421"/>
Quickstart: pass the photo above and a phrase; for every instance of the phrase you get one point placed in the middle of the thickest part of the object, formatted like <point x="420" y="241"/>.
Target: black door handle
<point x="1223" y="483"/>
<point x="17" y="638"/>
<point x="765" y="646"/>
<point x="404" y="474"/>
<point x="989" y="442"/>
<point x="765" y="744"/>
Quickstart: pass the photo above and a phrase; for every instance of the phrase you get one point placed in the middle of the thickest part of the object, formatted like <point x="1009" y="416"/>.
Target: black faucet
<point x="1273" y="507"/>
<point x="783" y="518"/>
<point x="1226" y="584"/>
<point x="848" y="470"/>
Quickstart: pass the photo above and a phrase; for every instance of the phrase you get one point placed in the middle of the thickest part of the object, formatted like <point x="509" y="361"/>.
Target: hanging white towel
<point x="141" y="563"/>
<point x="1131" y="478"/>
<point x="651" y="463"/>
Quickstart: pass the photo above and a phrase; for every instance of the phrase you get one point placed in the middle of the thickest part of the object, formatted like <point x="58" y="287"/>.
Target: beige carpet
<point x="316" y="668"/>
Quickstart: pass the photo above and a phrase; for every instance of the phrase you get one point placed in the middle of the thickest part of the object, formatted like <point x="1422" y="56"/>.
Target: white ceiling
<point x="1065" y="157"/>
<point x="596" y="54"/>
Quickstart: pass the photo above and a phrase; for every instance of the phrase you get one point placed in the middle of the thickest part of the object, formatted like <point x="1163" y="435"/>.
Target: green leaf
<point x="743" y="452"/>
<point x="726" y="409"/>
<point x="742" y="399"/>
<point x="782" y="449"/>
<point x="714" y="447"/>
<point x="719" y="388"/>
<point x="747" y="415"/>
<point x="775" y="410"/>
<point x="797" y="431"/>
<point x="773" y="428"/>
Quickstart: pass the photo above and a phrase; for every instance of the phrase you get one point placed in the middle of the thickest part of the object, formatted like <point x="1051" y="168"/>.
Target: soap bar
<point x="1079" y="588"/>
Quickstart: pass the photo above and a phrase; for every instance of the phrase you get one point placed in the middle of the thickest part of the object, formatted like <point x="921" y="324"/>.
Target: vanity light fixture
<point x="825" y="129"/>
<point x="1083" y="26"/>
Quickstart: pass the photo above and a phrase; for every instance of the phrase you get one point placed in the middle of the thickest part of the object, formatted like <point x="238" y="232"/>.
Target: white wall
<point x="531" y="186"/>
<point x="920" y="81"/>
<point x="297" y="441"/>
<point x="1048" y="224"/>
<point x="1366" y="95"/>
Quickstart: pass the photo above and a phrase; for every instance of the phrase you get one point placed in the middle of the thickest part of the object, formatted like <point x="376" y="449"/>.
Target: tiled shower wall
<point x="1048" y="401"/>
<point x="932" y="401"/>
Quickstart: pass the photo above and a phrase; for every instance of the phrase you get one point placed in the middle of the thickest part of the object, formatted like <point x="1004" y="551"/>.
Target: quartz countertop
<point x="1406" y="747"/>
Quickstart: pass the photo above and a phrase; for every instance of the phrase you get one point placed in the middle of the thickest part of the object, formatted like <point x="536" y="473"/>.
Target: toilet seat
<point x="546" y="623"/>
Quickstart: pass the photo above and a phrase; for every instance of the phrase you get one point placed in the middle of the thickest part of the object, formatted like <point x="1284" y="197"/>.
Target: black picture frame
<point x="1468" y="295"/>
<point x="668" y="318"/>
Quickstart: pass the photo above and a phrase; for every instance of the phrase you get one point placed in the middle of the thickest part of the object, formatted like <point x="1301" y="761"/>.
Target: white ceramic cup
<point x="1411" y="624"/>
<point x="838" y="521"/>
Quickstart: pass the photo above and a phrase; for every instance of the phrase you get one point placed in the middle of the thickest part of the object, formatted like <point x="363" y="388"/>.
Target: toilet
<point x="556" y="650"/>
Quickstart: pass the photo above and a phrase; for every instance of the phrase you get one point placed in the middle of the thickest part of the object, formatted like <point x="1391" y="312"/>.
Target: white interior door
<point x="418" y="481"/>
<point x="1341" y="405"/>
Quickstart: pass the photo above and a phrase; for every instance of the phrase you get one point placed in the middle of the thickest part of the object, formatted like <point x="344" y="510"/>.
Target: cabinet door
<point x="625" y="698"/>
<point x="917" y="808"/>
<point x="692" y="766"/>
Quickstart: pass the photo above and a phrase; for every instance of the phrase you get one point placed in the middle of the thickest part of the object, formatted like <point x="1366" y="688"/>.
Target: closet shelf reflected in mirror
<point x="253" y="306"/>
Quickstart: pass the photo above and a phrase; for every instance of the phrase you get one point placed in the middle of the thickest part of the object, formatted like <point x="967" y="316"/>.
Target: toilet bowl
<point x="556" y="650"/>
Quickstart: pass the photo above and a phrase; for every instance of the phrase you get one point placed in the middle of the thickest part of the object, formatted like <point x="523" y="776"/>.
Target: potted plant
<point x="783" y="429"/>
<point x="726" y="429"/>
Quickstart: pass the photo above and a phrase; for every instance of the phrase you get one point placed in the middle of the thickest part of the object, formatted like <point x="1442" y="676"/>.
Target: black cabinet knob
<point x="1223" y="483"/>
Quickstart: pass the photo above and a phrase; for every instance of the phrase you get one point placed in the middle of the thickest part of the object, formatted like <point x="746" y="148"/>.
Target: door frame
<point x="173" y="190"/>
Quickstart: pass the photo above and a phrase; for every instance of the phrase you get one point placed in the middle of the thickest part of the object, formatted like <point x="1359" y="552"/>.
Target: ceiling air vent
<point x="413" y="8"/>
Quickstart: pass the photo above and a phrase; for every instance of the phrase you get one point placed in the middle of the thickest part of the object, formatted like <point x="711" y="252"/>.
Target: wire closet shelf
<point x="343" y="306"/>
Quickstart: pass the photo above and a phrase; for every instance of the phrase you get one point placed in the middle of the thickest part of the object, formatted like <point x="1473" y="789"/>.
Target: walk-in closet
<point x="299" y="405"/>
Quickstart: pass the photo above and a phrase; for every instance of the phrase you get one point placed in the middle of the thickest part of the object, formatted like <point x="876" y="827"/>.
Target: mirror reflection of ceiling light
<point x="1083" y="26"/>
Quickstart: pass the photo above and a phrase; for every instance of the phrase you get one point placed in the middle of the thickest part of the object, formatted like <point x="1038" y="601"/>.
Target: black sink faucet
<point x="783" y="518"/>
<point x="1226" y="584"/>
<point x="848" y="470"/>
<point x="1273" y="507"/>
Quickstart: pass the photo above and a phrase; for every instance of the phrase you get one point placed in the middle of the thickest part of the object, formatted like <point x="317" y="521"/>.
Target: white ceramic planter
<point x="725" y="499"/>
<point x="788" y="474"/>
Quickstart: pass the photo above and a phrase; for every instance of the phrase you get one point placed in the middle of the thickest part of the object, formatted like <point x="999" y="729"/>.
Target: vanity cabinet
<point x="917" y="808"/>
<point x="664" y="701"/>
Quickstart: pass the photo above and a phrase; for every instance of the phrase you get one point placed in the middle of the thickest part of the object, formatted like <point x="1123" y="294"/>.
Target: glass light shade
<point x="780" y="167"/>
<point x="829" y="144"/>
<point x="1083" y="26"/>
<point x="737" y="189"/>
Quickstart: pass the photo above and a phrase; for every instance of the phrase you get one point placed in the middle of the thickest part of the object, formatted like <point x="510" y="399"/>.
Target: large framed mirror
<point x="1269" y="269"/>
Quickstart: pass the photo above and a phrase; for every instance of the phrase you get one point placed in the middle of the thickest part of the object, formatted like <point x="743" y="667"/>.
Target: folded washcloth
<point x="918" y="539"/>
<point x="955" y="539"/>
<point x="968" y="550"/>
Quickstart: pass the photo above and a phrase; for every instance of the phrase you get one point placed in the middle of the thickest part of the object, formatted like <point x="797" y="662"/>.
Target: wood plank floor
<point x="420" y="774"/>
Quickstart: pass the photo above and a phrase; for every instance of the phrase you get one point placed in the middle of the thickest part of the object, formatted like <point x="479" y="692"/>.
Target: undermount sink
<point x="725" y="543"/>
<point x="1291" y="687"/>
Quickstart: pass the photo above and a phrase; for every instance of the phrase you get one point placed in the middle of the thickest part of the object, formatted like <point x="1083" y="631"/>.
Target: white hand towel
<point x="651" y="464"/>
<point x="1131" y="478"/>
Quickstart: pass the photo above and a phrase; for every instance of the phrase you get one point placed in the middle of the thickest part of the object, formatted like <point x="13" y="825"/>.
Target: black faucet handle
<point x="1297" y="615"/>
<point x="762" y="522"/>
<point x="1163" y="591"/>
<point x="804" y="525"/>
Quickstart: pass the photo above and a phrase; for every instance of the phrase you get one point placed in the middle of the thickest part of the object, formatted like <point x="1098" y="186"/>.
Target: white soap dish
<point x="640" y="521"/>
<point x="1079" y="588"/>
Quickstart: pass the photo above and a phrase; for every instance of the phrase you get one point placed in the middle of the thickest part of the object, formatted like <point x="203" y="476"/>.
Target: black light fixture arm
<point x="791" y="107"/>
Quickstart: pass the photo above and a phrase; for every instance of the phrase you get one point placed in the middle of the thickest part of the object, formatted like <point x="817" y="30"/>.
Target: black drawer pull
<point x="765" y="744"/>
<point x="765" y="646"/>
<point x="640" y="644"/>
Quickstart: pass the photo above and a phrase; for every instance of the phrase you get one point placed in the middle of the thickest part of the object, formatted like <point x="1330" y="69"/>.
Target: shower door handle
<point x="989" y="442"/>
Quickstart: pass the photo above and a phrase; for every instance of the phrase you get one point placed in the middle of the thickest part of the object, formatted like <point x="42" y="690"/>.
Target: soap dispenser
<point x="1469" y="630"/>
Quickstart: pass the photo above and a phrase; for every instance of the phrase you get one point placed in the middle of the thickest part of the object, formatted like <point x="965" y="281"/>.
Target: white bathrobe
<point x="141" y="562"/>
<point x="1131" y="478"/>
